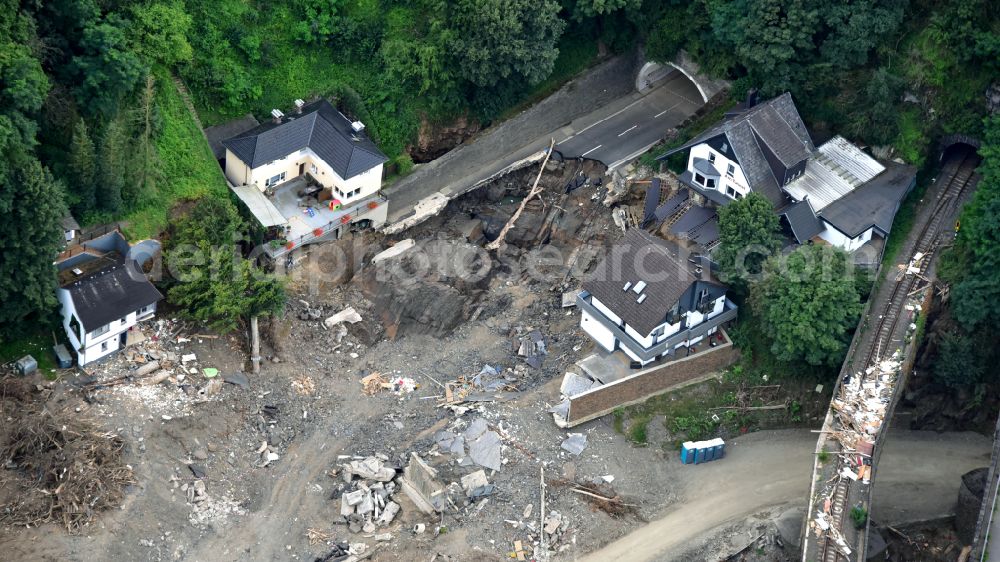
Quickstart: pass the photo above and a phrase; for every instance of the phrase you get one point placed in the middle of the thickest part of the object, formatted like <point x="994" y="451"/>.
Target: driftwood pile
<point x="600" y="496"/>
<point x="59" y="466"/>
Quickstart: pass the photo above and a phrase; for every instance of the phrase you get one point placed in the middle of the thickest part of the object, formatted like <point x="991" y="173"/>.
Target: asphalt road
<point x="629" y="131"/>
<point x="919" y="476"/>
<point x="598" y="108"/>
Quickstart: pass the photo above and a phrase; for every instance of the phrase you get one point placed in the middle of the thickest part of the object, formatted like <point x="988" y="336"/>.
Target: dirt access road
<point x="765" y="469"/>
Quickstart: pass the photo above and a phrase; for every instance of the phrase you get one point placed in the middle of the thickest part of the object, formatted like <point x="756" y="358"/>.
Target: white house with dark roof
<point x="307" y="176"/>
<point x="834" y="193"/>
<point x="104" y="294"/>
<point x="649" y="301"/>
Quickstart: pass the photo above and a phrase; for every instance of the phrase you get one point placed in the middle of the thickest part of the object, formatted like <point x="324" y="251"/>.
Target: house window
<point x="730" y="170"/>
<point x="145" y="310"/>
<point x="731" y="192"/>
<point x="275" y="180"/>
<point x="711" y="157"/>
<point x="710" y="183"/>
<point x="104" y="346"/>
<point x="102" y="330"/>
<point x="123" y="321"/>
<point x="313" y="169"/>
<point x="74" y="325"/>
<point x="699" y="179"/>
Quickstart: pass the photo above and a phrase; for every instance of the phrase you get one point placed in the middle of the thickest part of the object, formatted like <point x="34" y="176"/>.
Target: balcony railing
<point x="728" y="313"/>
<point x="355" y="212"/>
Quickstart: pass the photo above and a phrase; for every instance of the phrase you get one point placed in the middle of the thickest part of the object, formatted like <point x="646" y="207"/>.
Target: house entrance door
<point x="302" y="169"/>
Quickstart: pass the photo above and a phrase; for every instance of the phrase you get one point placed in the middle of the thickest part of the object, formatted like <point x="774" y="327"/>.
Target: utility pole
<point x="255" y="345"/>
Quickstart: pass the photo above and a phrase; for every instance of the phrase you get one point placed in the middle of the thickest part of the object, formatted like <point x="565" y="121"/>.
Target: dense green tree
<point x="590" y="8"/>
<point x="958" y="362"/>
<point x="749" y="233"/>
<point x="808" y="304"/>
<point x="852" y="29"/>
<point x="107" y="70"/>
<point x="213" y="284"/>
<point x="82" y="168"/>
<point x="876" y="119"/>
<point x="416" y="49"/>
<point x="500" y="40"/>
<point x="30" y="236"/>
<point x="320" y="19"/>
<point x="159" y="32"/>
<point x="113" y="158"/>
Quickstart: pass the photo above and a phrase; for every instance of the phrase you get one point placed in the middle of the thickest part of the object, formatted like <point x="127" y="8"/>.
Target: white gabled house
<point x="649" y="302"/>
<point x="834" y="194"/>
<point x="103" y="294"/>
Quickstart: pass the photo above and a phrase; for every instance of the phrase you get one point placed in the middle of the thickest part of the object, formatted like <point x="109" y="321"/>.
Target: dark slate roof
<point x="321" y="128"/>
<point x="707" y="233"/>
<point x="803" y="221"/>
<point x="670" y="206"/>
<point x="651" y="202"/>
<point x="217" y="134"/>
<point x="692" y="219"/>
<point x="776" y="123"/>
<point x="667" y="277"/>
<point x="872" y="204"/>
<point x="712" y="195"/>
<point x="111" y="294"/>
<point x="705" y="167"/>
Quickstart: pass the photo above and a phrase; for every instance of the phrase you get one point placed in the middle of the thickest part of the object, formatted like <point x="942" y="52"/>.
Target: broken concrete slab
<point x="574" y="384"/>
<point x="388" y="514"/>
<point x="239" y="379"/>
<point x="348" y="315"/>
<point x="485" y="451"/>
<point x="474" y="480"/>
<point x="569" y="299"/>
<point x="421" y="486"/>
<point x="476" y="429"/>
<point x="575" y="443"/>
<point x="451" y="443"/>
<point x="396" y="249"/>
<point x="370" y="469"/>
<point x="355" y="497"/>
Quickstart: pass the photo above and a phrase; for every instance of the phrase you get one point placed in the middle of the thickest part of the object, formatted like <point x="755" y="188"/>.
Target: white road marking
<point x="627" y="130"/>
<point x="660" y="113"/>
<point x="591" y="150"/>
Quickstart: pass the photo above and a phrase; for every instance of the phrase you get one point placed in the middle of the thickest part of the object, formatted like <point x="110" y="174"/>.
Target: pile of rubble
<point x="366" y="502"/>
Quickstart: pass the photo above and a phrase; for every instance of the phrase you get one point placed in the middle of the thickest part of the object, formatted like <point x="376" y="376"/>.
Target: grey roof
<point x="651" y="202"/>
<point x="670" y="206"/>
<point x="69" y="223"/>
<point x="713" y="195"/>
<point x="320" y="127"/>
<point x="873" y="204"/>
<point x="692" y="219"/>
<point x="707" y="233"/>
<point x="705" y="167"/>
<point x="835" y="170"/>
<point x="666" y="275"/>
<point x="216" y="134"/>
<point x="775" y="123"/>
<point x="110" y="294"/>
<point x="803" y="221"/>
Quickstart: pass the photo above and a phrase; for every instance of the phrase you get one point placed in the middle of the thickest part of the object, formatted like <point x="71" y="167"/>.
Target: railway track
<point x="957" y="178"/>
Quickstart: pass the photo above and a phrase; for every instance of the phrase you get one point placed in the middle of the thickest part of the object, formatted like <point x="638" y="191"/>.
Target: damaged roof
<point x="837" y="168"/>
<point x="649" y="263"/>
<point x="775" y="123"/>
<point x="321" y="128"/>
<point x="110" y="294"/>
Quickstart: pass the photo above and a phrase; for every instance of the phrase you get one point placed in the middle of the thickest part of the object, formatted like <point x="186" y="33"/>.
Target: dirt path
<point x="283" y="517"/>
<point x="769" y="469"/>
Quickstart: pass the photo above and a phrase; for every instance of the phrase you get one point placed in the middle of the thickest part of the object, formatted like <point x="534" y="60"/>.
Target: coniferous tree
<point x="83" y="169"/>
<point x="111" y="169"/>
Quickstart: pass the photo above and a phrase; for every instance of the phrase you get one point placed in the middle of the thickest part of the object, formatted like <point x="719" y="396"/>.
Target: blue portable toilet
<point x="706" y="452"/>
<point x="720" y="448"/>
<point x="688" y="452"/>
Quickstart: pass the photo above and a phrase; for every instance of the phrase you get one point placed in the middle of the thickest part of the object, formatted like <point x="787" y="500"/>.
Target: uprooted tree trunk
<point x="535" y="190"/>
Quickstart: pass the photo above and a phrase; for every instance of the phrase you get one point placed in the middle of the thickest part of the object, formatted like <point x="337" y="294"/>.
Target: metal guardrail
<point x="647" y="354"/>
<point x="360" y="209"/>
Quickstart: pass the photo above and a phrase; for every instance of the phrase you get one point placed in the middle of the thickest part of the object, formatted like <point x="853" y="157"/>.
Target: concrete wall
<point x="645" y="384"/>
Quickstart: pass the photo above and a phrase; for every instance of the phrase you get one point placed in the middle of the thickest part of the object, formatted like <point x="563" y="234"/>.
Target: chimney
<point x="357" y="126"/>
<point x="276" y="116"/>
<point x="298" y="106"/>
<point x="751" y="98"/>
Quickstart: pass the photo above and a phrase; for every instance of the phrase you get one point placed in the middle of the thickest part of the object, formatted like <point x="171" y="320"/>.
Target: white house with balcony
<point x="649" y="301"/>
<point x="833" y="194"/>
<point x="104" y="294"/>
<point x="308" y="176"/>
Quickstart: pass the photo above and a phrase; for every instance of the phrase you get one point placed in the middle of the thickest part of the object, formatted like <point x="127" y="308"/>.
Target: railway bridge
<point x="875" y="371"/>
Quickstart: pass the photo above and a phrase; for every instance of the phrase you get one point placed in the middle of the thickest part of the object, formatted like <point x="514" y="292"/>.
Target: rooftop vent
<point x="627" y="285"/>
<point x="641" y="298"/>
<point x="357" y="126"/>
<point x="298" y="106"/>
<point x="276" y="115"/>
<point x="77" y="271"/>
<point x="639" y="287"/>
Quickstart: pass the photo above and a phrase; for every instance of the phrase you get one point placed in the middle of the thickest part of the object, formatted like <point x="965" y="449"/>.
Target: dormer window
<point x="711" y="157"/>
